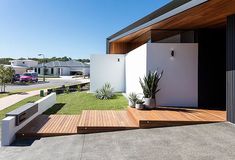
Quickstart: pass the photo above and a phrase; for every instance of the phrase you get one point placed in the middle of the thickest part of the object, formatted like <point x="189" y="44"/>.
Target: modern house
<point x="193" y="41"/>
<point x="59" y="68"/>
<point x="21" y="66"/>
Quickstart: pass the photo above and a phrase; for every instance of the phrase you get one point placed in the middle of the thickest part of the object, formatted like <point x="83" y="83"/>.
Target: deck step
<point x="167" y="116"/>
<point x="93" y="121"/>
<point x="47" y="126"/>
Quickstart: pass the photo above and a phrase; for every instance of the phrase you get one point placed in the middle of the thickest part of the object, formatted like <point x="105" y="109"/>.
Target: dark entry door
<point x="212" y="68"/>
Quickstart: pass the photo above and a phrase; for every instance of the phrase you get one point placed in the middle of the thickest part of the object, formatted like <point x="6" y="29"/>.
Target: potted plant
<point x="132" y="99"/>
<point x="149" y="85"/>
<point x="139" y="104"/>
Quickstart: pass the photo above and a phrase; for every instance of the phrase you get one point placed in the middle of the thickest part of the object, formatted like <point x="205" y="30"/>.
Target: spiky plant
<point x="133" y="97"/>
<point x="149" y="84"/>
<point x="106" y="92"/>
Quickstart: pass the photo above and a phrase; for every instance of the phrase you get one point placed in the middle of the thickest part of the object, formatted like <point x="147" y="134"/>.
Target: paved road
<point x="195" y="142"/>
<point x="50" y="83"/>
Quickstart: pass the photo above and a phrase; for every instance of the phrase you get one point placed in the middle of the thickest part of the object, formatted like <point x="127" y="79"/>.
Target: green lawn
<point x="30" y="99"/>
<point x="3" y="95"/>
<point x="74" y="103"/>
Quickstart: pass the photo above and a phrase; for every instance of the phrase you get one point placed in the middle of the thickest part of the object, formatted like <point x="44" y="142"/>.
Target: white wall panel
<point x="107" y="68"/>
<point x="179" y="84"/>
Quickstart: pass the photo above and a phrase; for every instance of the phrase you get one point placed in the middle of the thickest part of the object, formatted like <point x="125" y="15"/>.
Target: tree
<point x="6" y="74"/>
<point x="5" y="60"/>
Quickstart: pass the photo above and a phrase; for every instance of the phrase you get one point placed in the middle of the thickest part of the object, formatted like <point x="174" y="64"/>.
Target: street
<point x="50" y="83"/>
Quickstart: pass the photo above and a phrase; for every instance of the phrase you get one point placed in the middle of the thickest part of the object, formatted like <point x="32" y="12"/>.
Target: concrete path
<point x="12" y="99"/>
<point x="195" y="142"/>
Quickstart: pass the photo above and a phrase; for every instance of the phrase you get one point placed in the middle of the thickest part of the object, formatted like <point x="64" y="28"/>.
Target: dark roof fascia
<point x="169" y="10"/>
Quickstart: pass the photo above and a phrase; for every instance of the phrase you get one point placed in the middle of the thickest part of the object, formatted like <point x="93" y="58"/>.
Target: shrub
<point x="79" y="88"/>
<point x="67" y="90"/>
<point x="106" y="92"/>
<point x="132" y="98"/>
<point x="149" y="84"/>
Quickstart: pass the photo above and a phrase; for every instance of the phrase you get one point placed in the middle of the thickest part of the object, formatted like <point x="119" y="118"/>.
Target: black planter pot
<point x="150" y="103"/>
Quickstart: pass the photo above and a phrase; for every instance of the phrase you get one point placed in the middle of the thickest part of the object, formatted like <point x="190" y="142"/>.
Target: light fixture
<point x="172" y="53"/>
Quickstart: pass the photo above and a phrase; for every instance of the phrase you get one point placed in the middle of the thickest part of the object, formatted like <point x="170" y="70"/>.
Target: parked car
<point x="16" y="77"/>
<point x="29" y="77"/>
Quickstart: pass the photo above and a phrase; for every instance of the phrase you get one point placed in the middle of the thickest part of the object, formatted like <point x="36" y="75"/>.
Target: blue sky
<point x="74" y="28"/>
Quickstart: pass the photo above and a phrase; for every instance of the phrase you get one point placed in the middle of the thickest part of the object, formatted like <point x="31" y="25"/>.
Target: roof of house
<point x="159" y="12"/>
<point x="25" y="60"/>
<point x="16" y="66"/>
<point x="177" y="16"/>
<point x="72" y="63"/>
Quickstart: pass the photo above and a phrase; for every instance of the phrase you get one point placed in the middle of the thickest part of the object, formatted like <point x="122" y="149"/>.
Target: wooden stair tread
<point x="53" y="125"/>
<point x="177" y="114"/>
<point x="106" y="118"/>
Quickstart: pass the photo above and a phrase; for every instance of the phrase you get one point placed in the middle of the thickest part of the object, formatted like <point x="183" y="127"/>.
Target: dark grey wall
<point x="230" y="69"/>
<point x="187" y="37"/>
<point x="211" y="68"/>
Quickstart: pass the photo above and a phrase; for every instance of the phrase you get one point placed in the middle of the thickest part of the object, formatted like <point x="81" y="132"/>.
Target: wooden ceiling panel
<point x="211" y="14"/>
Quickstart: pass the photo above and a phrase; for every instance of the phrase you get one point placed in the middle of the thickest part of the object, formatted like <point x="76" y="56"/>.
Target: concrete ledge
<point x="9" y="129"/>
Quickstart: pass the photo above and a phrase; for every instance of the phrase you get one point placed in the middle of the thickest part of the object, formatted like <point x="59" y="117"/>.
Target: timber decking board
<point x="168" y="116"/>
<point x="106" y="118"/>
<point x="92" y="121"/>
<point x="53" y="125"/>
<point x="178" y="114"/>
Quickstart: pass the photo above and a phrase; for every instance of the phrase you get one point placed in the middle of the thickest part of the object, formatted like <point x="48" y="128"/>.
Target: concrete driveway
<point x="196" y="142"/>
<point x="50" y="82"/>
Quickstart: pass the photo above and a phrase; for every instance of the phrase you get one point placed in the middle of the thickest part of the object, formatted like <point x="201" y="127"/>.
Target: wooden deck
<point x="165" y="116"/>
<point x="92" y="121"/>
<point x="53" y="125"/>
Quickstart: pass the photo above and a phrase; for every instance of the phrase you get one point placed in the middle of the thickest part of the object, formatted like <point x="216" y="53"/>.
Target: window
<point x="52" y="70"/>
<point x="39" y="70"/>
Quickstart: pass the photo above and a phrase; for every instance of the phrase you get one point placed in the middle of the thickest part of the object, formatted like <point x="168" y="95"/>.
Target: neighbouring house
<point x="21" y="66"/>
<point x="60" y="68"/>
<point x="189" y="40"/>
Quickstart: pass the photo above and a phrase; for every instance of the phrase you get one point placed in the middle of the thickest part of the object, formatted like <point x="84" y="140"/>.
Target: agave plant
<point x="133" y="97"/>
<point x="106" y="92"/>
<point x="149" y="84"/>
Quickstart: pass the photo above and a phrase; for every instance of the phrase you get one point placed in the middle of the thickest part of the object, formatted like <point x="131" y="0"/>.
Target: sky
<point x="73" y="28"/>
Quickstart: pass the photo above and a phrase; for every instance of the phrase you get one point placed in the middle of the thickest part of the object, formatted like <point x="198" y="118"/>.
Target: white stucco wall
<point x="64" y="71"/>
<point x="107" y="68"/>
<point x="26" y="63"/>
<point x="56" y="71"/>
<point x="179" y="84"/>
<point x="9" y="129"/>
<point x="86" y="70"/>
<point x="135" y="67"/>
<point x="19" y="70"/>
